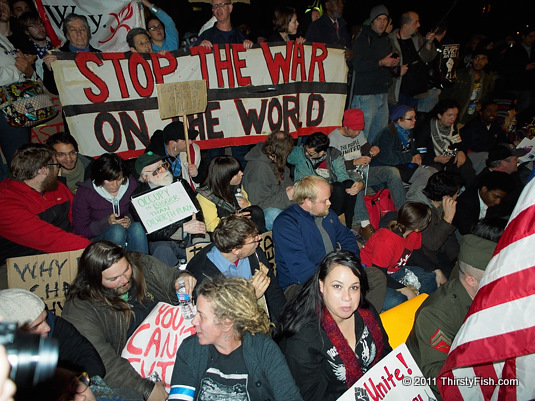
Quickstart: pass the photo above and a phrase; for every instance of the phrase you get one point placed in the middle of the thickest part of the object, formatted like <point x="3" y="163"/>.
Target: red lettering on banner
<point x="317" y="59"/>
<point x="81" y="60"/>
<point x="277" y="63"/>
<point x="159" y="71"/>
<point x="162" y="309"/>
<point x="298" y="60"/>
<point x="238" y="65"/>
<point x="164" y="366"/>
<point x="130" y="345"/>
<point x="201" y="52"/>
<point x="225" y="64"/>
<point x="115" y="58"/>
<point x="165" y="349"/>
<point x="154" y="341"/>
<point x="136" y="60"/>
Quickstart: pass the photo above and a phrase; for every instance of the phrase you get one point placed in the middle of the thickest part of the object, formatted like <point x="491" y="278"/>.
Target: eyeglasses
<point x="410" y="119"/>
<point x="160" y="169"/>
<point x="77" y="385"/>
<point x="62" y="155"/>
<point x="312" y="155"/>
<point x="155" y="27"/>
<point x="257" y="239"/>
<point x="219" y="5"/>
<point x="53" y="164"/>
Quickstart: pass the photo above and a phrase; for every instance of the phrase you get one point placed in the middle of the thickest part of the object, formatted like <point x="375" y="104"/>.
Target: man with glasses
<point x="35" y="216"/>
<point x="37" y="42"/>
<point x="169" y="243"/>
<point x="235" y="253"/>
<point x="399" y="150"/>
<point x="75" y="168"/>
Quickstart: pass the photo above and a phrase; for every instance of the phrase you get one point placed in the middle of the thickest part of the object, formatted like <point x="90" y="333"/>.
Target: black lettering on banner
<point x="131" y="129"/>
<point x="291" y="113"/>
<point x="100" y="120"/>
<point x="251" y="118"/>
<point x="61" y="15"/>
<point x="274" y="104"/>
<point x="25" y="269"/>
<point x="315" y="106"/>
<point x="212" y="121"/>
<point x="54" y="290"/>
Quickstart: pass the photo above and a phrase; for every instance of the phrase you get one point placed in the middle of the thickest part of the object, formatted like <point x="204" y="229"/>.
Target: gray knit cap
<point x="377" y="11"/>
<point x="20" y="306"/>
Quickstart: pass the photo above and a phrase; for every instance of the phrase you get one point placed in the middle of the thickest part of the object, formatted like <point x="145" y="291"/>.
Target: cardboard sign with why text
<point x="163" y="206"/>
<point x="395" y="377"/>
<point x="153" y="346"/>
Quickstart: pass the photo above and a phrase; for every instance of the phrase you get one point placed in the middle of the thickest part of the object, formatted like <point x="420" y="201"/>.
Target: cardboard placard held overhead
<point x="163" y="206"/>
<point x="181" y="98"/>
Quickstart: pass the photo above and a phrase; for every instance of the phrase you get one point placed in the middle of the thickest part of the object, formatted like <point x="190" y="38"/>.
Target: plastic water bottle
<point x="182" y="264"/>
<point x="184" y="301"/>
<point x="238" y="194"/>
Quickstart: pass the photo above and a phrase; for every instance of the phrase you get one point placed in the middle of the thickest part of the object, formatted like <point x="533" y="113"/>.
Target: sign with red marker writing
<point x="396" y="377"/>
<point x="153" y="346"/>
<point x="110" y="99"/>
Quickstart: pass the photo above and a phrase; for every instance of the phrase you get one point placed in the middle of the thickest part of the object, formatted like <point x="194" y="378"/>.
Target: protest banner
<point x="109" y="20"/>
<point x="47" y="275"/>
<point x="163" y="206"/>
<point x="153" y="346"/>
<point x="448" y="63"/>
<point x="395" y="377"/>
<point x="110" y="99"/>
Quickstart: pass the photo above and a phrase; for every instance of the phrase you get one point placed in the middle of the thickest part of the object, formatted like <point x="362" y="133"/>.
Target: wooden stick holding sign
<point x="180" y="99"/>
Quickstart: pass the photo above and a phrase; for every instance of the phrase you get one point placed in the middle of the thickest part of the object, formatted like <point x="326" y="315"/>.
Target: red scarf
<point x="351" y="363"/>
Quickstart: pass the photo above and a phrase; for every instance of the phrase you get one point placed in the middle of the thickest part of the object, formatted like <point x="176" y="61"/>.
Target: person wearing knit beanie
<point x="377" y="11"/>
<point x="24" y="308"/>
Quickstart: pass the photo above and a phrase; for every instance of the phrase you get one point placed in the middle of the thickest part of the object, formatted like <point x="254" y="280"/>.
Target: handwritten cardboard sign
<point x="181" y="98"/>
<point x="153" y="346"/>
<point x="163" y="206"/>
<point x="48" y="275"/>
<point x="395" y="377"/>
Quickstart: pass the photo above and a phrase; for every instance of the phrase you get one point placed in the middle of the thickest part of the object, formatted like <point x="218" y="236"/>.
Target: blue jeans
<point x="132" y="239"/>
<point x="381" y="176"/>
<point x="427" y="280"/>
<point x="167" y="252"/>
<point x="375" y="109"/>
<point x="270" y="214"/>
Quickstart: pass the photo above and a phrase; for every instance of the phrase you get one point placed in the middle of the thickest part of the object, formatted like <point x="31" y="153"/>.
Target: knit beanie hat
<point x="476" y="251"/>
<point x="399" y="111"/>
<point x="20" y="306"/>
<point x="354" y="119"/>
<point x="377" y="11"/>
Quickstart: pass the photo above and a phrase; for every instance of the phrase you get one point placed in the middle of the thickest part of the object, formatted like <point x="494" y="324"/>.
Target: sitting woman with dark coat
<point x="329" y="333"/>
<point x="235" y="253"/>
<point x="222" y="194"/>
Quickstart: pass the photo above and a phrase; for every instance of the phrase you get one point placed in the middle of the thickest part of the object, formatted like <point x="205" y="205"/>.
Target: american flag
<point x="493" y="355"/>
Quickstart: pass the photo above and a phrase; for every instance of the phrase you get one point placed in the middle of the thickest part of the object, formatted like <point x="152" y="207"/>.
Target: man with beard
<point x="168" y="244"/>
<point x="36" y="212"/>
<point x="37" y="42"/>
<point x="75" y="167"/>
<point x="112" y="293"/>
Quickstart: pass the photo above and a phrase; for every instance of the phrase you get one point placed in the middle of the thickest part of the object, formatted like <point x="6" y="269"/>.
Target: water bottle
<point x="184" y="301"/>
<point x="182" y="264"/>
<point x="238" y="194"/>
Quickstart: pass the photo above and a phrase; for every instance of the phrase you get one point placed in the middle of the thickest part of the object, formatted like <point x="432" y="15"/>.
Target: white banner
<point x="110" y="100"/>
<point x="109" y="20"/>
<point x="153" y="346"/>
<point x="395" y="377"/>
<point x="163" y="206"/>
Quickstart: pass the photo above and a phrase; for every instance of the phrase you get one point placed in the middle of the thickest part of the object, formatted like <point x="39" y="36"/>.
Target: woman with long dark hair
<point x="100" y="208"/>
<point x="222" y="194"/>
<point x="329" y="334"/>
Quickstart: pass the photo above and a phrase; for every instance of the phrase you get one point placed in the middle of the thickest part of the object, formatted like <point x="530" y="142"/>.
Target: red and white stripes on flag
<point x="493" y="355"/>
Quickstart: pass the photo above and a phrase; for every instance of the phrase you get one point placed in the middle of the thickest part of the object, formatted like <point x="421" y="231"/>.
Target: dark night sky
<point x="505" y="16"/>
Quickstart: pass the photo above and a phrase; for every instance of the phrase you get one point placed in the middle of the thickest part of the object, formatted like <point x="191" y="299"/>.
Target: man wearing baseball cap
<point x="441" y="315"/>
<point x="358" y="153"/>
<point x="171" y="142"/>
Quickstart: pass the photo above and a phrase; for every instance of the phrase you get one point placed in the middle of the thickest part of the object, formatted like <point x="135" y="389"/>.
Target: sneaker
<point x="367" y="231"/>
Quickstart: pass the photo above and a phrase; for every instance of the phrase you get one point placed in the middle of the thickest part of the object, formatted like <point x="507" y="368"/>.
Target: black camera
<point x="33" y="358"/>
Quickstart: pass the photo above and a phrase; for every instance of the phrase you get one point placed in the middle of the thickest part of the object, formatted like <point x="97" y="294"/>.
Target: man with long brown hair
<point x="266" y="177"/>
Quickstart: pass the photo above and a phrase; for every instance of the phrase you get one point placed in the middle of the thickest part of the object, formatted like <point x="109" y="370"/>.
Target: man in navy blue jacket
<point x="307" y="231"/>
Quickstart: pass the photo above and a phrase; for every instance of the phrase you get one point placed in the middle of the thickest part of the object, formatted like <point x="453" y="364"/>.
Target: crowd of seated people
<point x="453" y="173"/>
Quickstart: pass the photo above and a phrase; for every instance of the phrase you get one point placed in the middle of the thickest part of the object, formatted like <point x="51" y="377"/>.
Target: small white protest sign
<point x="163" y="206"/>
<point x="395" y="377"/>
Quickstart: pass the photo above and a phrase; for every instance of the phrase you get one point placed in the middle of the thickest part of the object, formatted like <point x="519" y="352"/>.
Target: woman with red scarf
<point x="329" y="333"/>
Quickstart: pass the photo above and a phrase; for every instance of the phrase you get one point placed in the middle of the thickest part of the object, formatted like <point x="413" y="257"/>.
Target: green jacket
<point x="303" y="165"/>
<point x="436" y="324"/>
